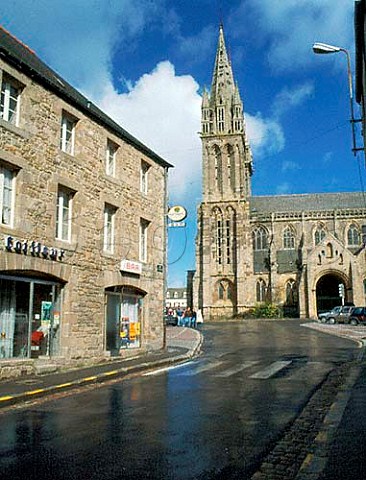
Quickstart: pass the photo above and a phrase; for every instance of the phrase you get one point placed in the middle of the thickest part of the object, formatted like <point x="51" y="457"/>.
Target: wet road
<point x="212" y="418"/>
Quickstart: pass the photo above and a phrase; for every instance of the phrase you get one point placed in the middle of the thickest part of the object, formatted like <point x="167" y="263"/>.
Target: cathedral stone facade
<point x="294" y="251"/>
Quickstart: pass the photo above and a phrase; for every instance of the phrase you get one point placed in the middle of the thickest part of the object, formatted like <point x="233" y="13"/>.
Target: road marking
<point x="204" y="368"/>
<point x="165" y="369"/>
<point x="271" y="370"/>
<point x="34" y="392"/>
<point x="7" y="397"/>
<point x="237" y="369"/>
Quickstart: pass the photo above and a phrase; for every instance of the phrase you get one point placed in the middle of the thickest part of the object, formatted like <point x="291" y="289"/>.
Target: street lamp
<point x="324" y="48"/>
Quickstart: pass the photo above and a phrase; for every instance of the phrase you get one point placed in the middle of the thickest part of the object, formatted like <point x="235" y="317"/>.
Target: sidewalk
<point x="339" y="450"/>
<point x="182" y="345"/>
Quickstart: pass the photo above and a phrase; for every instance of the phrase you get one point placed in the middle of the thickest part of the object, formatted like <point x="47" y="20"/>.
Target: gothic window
<point x="329" y="250"/>
<point x="319" y="235"/>
<point x="218" y="168"/>
<point x="291" y="293"/>
<point x="353" y="236"/>
<point x="260" y="238"/>
<point x="231" y="167"/>
<point x="288" y="238"/>
<point x="225" y="290"/>
<point x="228" y="241"/>
<point x="220" y="119"/>
<point x="261" y="290"/>
<point x="218" y="232"/>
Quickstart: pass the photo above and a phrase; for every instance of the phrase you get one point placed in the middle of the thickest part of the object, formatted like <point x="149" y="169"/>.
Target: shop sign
<point x="131" y="266"/>
<point x="177" y="213"/>
<point x="34" y="248"/>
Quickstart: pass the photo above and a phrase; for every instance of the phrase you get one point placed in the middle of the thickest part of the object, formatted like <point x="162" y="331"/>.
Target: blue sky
<point x="145" y="62"/>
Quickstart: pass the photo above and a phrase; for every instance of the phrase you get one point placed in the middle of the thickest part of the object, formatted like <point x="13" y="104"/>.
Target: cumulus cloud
<point x="162" y="110"/>
<point x="266" y="136"/>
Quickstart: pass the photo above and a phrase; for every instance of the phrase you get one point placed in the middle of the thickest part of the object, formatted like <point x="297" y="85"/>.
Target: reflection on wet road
<point x="208" y="419"/>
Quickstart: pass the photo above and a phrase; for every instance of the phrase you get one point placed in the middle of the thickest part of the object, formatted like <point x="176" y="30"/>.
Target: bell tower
<point x="227" y="160"/>
<point x="223" y="216"/>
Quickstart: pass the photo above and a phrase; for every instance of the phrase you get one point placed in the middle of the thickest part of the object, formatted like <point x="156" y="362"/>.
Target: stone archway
<point x="327" y="293"/>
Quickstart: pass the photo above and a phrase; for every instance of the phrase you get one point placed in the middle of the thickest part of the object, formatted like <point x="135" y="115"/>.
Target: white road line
<point x="237" y="369"/>
<point x="270" y="370"/>
<point x="165" y="369"/>
<point x="204" y="368"/>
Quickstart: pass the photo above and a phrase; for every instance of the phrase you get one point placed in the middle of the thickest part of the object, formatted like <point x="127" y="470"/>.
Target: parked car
<point x="358" y="315"/>
<point x="338" y="314"/>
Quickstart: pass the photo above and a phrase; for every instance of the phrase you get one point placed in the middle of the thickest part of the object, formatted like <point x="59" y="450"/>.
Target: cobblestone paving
<point x="298" y="441"/>
<point x="307" y="439"/>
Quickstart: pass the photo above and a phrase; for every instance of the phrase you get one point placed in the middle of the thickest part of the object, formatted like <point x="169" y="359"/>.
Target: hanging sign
<point x="177" y="213"/>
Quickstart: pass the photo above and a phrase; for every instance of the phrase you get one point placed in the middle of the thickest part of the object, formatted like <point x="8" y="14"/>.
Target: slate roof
<point x="24" y="59"/>
<point x="307" y="202"/>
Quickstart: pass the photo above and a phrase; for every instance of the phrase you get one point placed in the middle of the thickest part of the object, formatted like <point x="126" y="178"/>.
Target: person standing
<point x="193" y="318"/>
<point x="180" y="316"/>
<point x="187" y="317"/>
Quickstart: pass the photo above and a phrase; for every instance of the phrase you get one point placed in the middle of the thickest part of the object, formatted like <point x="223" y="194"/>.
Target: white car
<point x="336" y="315"/>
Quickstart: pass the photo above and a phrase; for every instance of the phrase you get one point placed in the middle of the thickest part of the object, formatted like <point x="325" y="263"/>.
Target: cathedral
<point x="304" y="253"/>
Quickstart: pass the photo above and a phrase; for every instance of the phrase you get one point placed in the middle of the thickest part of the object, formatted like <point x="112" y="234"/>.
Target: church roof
<point x="307" y="202"/>
<point x="222" y="78"/>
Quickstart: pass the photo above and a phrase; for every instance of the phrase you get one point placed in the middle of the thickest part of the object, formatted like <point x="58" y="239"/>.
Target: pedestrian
<point x="199" y="316"/>
<point x="187" y="317"/>
<point x="193" y="318"/>
<point x="180" y="316"/>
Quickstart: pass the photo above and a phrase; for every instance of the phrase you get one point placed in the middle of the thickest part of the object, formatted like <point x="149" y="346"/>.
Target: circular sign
<point x="177" y="213"/>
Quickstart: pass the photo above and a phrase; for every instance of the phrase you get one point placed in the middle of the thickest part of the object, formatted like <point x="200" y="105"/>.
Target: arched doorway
<point x="327" y="292"/>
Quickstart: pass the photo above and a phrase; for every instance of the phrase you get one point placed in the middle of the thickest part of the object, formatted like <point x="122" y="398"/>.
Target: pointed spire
<point x="205" y="98"/>
<point x="222" y="79"/>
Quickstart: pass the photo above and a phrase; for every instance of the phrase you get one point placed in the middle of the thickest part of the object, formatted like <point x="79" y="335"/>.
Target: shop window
<point x="124" y="312"/>
<point x="7" y="192"/>
<point x="64" y="213"/>
<point x="10" y="100"/>
<point x="29" y="318"/>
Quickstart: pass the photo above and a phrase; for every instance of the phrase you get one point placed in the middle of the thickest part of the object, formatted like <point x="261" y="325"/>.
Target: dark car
<point x="339" y="314"/>
<point x="358" y="315"/>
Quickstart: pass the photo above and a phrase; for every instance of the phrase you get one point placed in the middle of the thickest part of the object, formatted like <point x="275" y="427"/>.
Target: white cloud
<point x="289" y="98"/>
<point x="289" y="165"/>
<point x="163" y="111"/>
<point x="266" y="136"/>
<point x="287" y="29"/>
<point x="283" y="188"/>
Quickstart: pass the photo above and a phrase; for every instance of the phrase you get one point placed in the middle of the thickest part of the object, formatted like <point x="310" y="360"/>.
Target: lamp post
<point x="324" y="48"/>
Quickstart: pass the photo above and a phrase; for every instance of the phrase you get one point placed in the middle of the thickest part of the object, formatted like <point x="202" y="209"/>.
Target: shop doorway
<point x="123" y="319"/>
<point x="29" y="317"/>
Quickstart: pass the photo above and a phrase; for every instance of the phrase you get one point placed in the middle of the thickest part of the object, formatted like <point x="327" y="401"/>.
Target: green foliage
<point x="263" y="310"/>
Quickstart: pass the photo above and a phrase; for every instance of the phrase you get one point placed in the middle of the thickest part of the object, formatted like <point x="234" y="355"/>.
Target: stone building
<point x="176" y="297"/>
<point x="82" y="226"/>
<point x="291" y="250"/>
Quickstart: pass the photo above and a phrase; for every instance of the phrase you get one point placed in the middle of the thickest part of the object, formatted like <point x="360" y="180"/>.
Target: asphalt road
<point x="212" y="418"/>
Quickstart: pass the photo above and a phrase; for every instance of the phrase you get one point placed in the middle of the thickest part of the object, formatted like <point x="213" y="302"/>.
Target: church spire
<point x="222" y="79"/>
<point x="222" y="111"/>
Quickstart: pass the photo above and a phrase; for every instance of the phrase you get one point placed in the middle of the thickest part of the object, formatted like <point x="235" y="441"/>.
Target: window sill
<point x="14" y="129"/>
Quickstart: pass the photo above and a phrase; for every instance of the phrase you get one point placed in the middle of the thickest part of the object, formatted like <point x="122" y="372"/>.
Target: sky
<point x="146" y="63"/>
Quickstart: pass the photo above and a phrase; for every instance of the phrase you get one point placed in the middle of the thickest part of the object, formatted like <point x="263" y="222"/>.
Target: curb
<point x="8" y="400"/>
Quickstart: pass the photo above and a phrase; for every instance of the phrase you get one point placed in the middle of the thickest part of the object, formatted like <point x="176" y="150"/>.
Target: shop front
<point x="30" y="316"/>
<point x="123" y="318"/>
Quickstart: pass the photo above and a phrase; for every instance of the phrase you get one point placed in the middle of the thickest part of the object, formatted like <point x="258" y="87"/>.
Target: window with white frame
<point x="67" y="137"/>
<point x="10" y="100"/>
<point x="144" y="225"/>
<point x="109" y="221"/>
<point x="7" y="182"/>
<point x="144" y="177"/>
<point x="64" y="213"/>
<point x="110" y="161"/>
